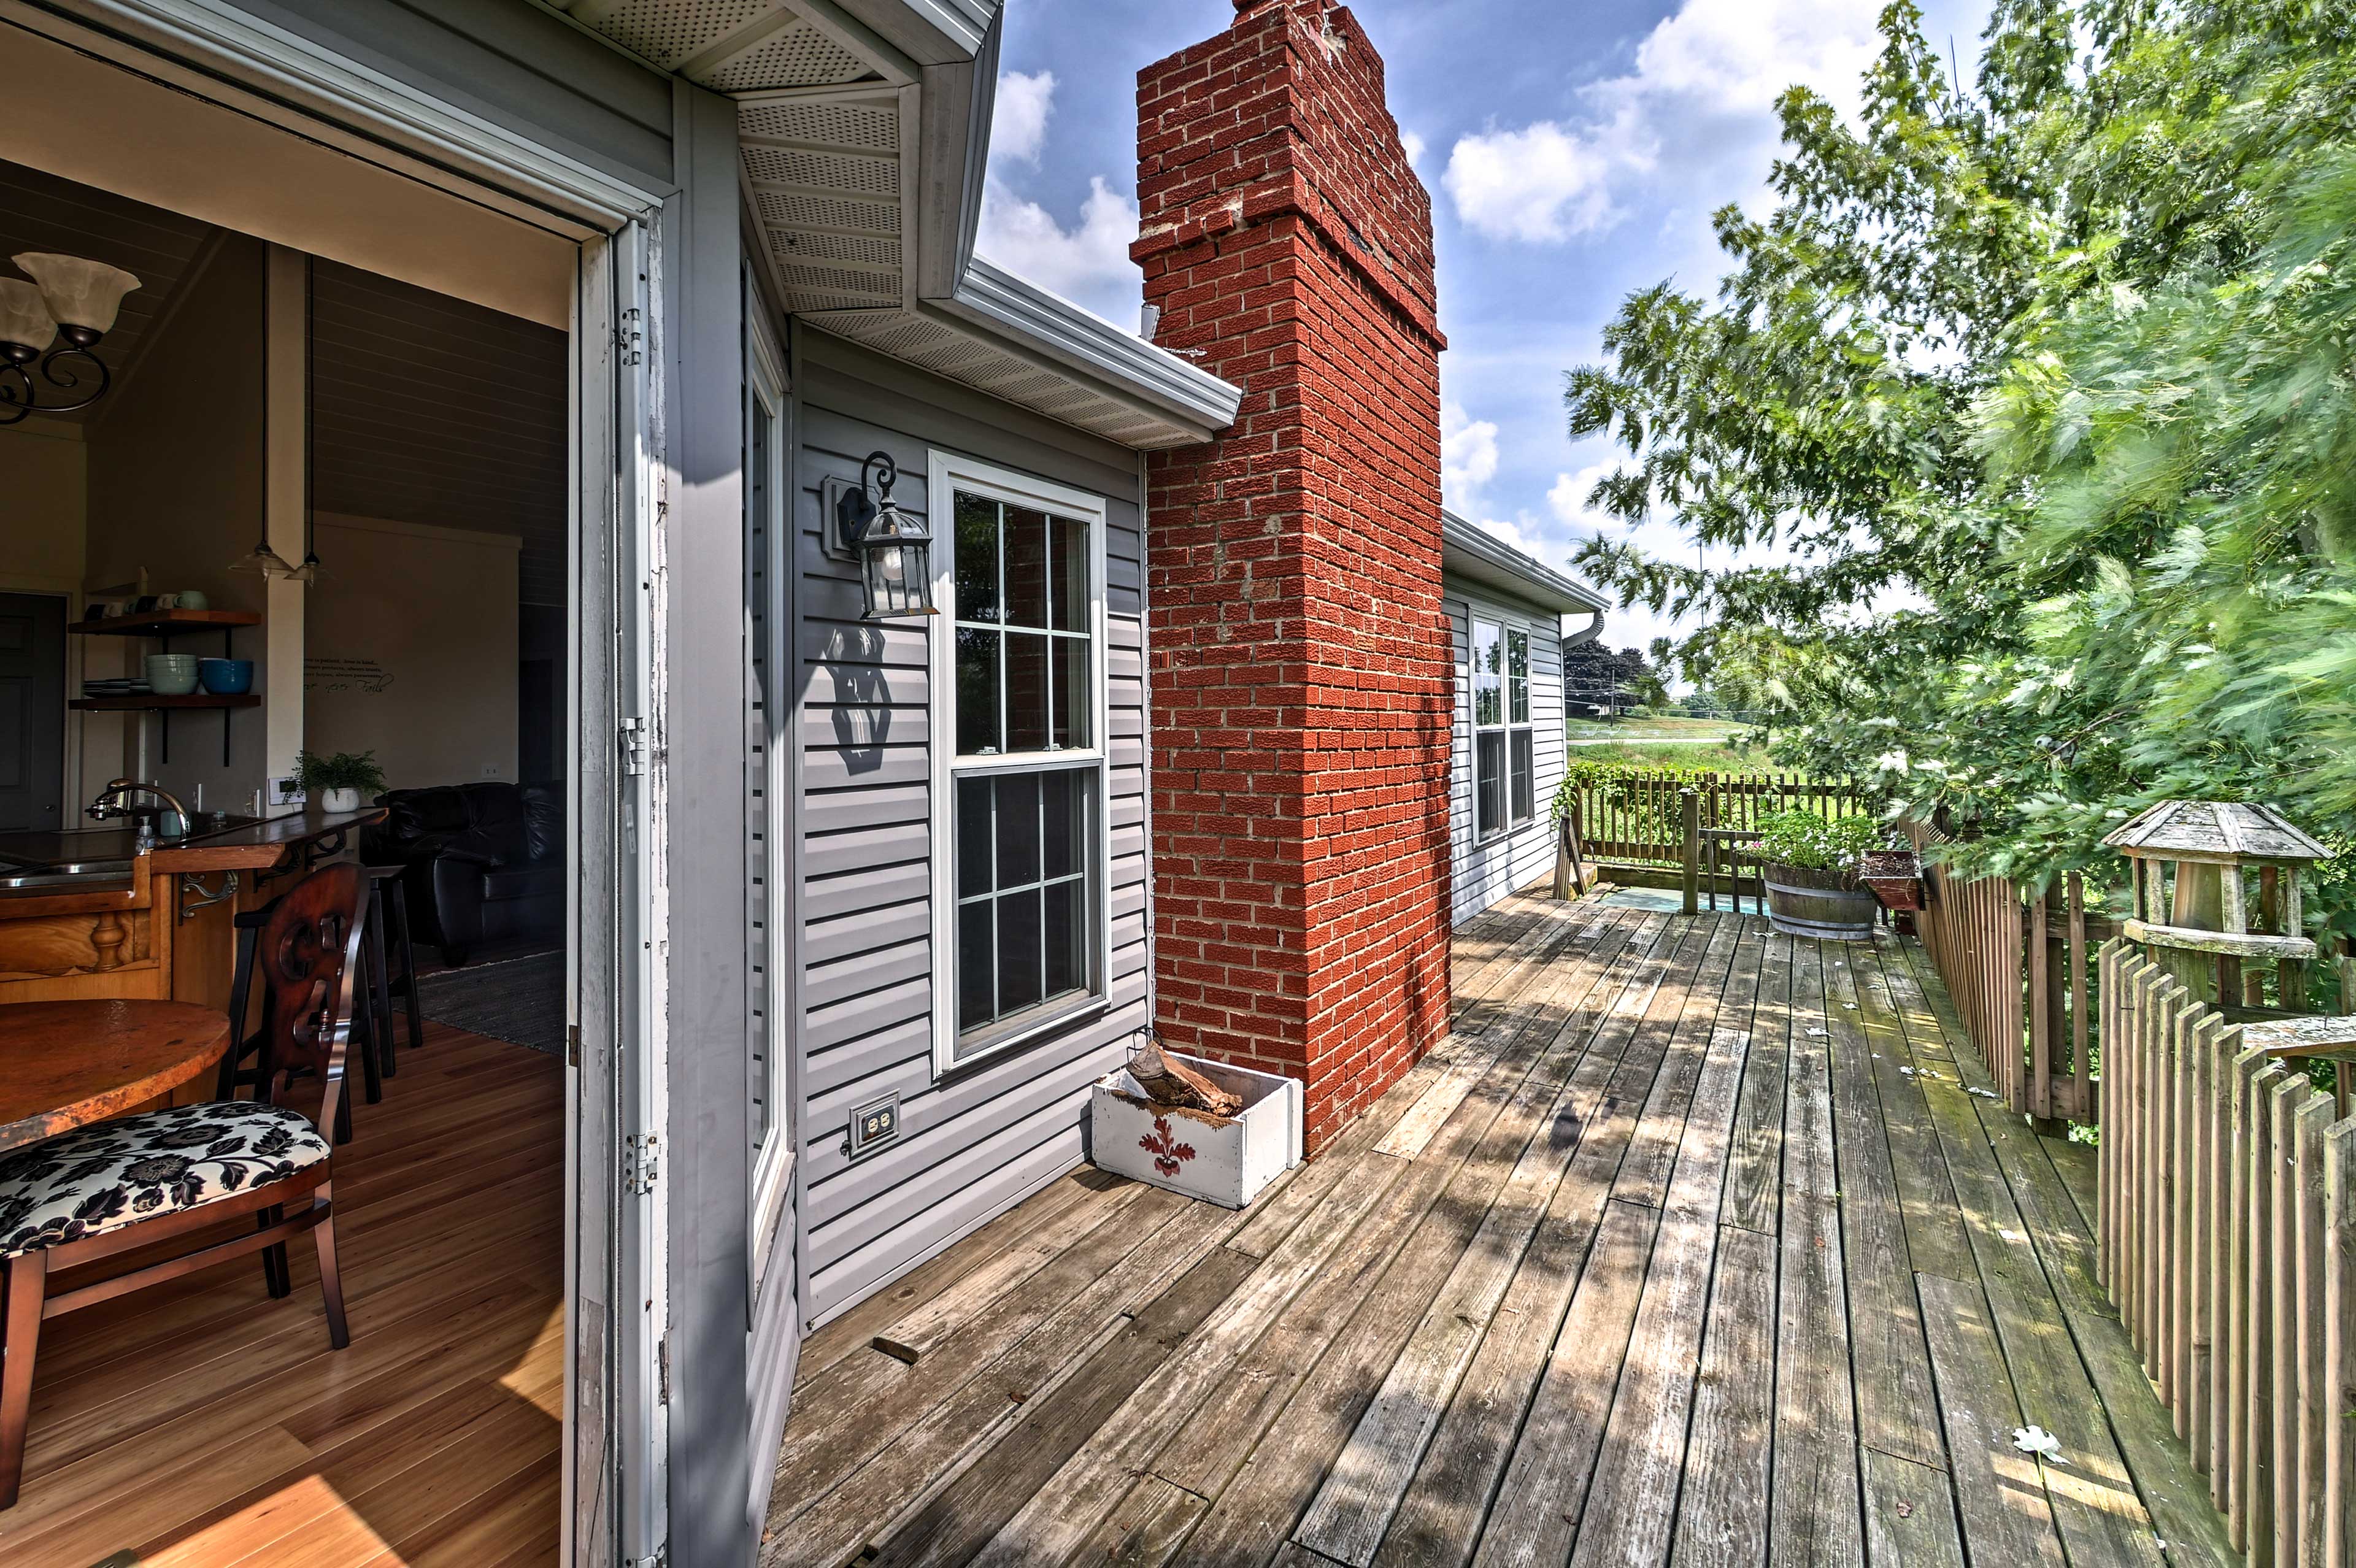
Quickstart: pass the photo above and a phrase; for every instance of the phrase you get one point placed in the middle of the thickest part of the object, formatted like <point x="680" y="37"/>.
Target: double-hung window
<point x="1020" y="776"/>
<point x="1504" y="747"/>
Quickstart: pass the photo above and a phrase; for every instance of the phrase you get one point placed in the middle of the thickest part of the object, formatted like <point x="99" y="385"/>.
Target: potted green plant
<point x="339" y="782"/>
<point x="1809" y="865"/>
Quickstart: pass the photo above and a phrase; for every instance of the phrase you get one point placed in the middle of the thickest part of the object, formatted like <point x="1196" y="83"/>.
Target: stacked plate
<point x="117" y="686"/>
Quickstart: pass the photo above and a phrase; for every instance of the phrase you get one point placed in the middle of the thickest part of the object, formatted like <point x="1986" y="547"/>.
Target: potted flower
<point x="339" y="782"/>
<point x="1895" y="876"/>
<point x="1809" y="865"/>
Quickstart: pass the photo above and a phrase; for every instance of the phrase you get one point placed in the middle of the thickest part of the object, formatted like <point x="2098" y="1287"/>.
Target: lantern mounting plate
<point x="852" y="508"/>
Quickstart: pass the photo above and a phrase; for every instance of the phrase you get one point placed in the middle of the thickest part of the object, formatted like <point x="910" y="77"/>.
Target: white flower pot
<point x="339" y="800"/>
<point x="1225" y="1159"/>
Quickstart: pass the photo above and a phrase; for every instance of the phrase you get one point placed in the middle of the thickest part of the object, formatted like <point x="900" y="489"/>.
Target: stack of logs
<point x="1170" y="1082"/>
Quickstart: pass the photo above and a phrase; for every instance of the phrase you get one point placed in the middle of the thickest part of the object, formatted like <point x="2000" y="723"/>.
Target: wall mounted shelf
<point x="165" y="623"/>
<point x="147" y="702"/>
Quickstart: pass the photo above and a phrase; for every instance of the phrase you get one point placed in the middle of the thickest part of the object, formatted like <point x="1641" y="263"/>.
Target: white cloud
<point x="1540" y="185"/>
<point x="1018" y="125"/>
<point x="1567" y="499"/>
<point x="1087" y="263"/>
<point x="1413" y="143"/>
<point x="1693" y="113"/>
<point x="1509" y="533"/>
<point x="1468" y="458"/>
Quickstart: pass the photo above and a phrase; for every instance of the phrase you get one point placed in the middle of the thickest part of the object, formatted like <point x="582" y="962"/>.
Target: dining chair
<point x="159" y="1176"/>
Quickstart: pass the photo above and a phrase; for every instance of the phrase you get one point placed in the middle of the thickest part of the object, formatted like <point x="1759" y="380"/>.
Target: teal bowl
<point x="226" y="678"/>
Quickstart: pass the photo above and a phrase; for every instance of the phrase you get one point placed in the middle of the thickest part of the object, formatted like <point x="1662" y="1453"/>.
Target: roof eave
<point x="1469" y="550"/>
<point x="992" y="300"/>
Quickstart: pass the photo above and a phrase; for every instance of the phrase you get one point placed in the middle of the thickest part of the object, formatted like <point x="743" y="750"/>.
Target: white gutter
<point x="1000" y="304"/>
<point x="1470" y="550"/>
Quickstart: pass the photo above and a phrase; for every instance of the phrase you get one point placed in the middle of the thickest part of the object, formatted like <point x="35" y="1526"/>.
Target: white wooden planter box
<point x="1227" y="1159"/>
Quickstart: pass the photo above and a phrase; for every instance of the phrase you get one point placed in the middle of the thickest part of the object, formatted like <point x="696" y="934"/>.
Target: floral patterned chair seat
<point x="112" y="1174"/>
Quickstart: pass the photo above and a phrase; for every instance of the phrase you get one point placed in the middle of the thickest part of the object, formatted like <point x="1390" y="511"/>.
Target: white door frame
<point x="616" y="1485"/>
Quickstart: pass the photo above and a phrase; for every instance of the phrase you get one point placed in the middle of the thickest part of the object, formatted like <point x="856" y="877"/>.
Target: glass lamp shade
<point x="79" y="294"/>
<point x="25" y="319"/>
<point x="263" y="559"/>
<point x="895" y="564"/>
<point x="309" y="573"/>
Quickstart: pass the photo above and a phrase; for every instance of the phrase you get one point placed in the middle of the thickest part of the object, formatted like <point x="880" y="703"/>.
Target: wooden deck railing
<point x="1638" y="817"/>
<point x="2020" y="965"/>
<point x="2228" y="1242"/>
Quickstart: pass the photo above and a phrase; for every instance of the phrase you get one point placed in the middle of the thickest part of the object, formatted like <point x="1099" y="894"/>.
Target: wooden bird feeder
<point x="2192" y="863"/>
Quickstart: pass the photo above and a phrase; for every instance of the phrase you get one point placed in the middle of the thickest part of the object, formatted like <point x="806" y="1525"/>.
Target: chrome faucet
<point x="110" y="801"/>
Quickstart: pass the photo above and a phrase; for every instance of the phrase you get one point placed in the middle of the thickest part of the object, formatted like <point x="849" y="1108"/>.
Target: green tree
<point x="2042" y="387"/>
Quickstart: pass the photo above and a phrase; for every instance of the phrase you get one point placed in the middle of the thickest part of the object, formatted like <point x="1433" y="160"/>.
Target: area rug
<point x="520" y="1000"/>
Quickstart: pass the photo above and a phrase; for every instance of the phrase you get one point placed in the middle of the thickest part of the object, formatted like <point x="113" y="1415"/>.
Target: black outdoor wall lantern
<point x="895" y="551"/>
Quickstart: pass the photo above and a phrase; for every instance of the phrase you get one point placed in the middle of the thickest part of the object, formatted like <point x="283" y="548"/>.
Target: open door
<point x="616" y="1475"/>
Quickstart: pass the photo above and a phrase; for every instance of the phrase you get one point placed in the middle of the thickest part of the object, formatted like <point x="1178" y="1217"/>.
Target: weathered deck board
<point x="1692" y="1245"/>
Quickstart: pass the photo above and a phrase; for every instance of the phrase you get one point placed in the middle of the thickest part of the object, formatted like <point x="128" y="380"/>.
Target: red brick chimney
<point x="1301" y="665"/>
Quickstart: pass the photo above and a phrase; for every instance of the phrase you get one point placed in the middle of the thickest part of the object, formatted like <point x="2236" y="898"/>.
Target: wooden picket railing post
<point x="2227" y="1238"/>
<point x="1689" y="814"/>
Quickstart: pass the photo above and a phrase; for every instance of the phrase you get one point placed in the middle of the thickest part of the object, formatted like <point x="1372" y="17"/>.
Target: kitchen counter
<point x="91" y="919"/>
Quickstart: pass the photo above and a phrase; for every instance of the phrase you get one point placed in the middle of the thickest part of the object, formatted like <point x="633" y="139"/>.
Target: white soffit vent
<point x="826" y="149"/>
<point x="668" y="32"/>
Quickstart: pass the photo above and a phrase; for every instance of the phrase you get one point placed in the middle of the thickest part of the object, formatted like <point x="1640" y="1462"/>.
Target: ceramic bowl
<point x="226" y="678"/>
<point x="172" y="674"/>
<point x="192" y="600"/>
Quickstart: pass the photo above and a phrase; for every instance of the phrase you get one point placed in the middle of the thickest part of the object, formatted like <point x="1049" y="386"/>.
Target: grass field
<point x="1724" y="759"/>
<point x="1651" y="730"/>
<point x="1711" y="744"/>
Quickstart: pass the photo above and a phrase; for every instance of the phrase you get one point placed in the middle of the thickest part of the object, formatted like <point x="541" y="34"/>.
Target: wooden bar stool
<point x="388" y="920"/>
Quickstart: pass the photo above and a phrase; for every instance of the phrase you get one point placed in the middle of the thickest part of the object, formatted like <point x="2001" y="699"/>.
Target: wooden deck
<point x="1695" y="1244"/>
<point x="201" y="1424"/>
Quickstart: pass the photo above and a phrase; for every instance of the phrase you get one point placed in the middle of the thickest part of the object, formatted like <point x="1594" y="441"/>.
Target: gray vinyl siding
<point x="1484" y="873"/>
<point x="983" y="1138"/>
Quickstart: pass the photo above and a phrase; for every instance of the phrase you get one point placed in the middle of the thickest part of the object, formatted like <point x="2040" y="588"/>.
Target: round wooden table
<point x="66" y="1064"/>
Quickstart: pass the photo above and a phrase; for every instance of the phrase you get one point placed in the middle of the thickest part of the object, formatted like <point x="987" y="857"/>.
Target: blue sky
<point x="1574" y="149"/>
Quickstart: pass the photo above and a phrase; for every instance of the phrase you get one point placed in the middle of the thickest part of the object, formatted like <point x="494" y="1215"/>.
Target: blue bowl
<point x="226" y="678"/>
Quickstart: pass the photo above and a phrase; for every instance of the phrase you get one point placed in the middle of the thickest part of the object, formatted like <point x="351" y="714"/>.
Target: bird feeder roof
<point x="2213" y="830"/>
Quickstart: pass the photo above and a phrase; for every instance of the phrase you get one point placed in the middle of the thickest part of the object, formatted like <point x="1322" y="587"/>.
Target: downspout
<point x="1586" y="634"/>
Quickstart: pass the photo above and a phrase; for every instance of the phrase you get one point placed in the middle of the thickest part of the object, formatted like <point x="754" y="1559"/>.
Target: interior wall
<point x="43" y="534"/>
<point x="176" y="486"/>
<point x="41" y="528"/>
<point x="410" y="651"/>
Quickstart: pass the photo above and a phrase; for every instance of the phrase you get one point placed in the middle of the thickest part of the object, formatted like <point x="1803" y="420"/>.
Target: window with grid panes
<point x="1027" y="779"/>
<point x="1505" y="746"/>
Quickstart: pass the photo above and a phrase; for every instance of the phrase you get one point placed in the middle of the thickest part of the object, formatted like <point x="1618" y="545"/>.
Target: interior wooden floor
<point x="202" y="1423"/>
<point x="1694" y="1244"/>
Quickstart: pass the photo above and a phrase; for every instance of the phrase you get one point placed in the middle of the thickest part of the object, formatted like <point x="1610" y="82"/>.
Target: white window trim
<point x="946" y="474"/>
<point x="1507" y="621"/>
<point x="773" y="1162"/>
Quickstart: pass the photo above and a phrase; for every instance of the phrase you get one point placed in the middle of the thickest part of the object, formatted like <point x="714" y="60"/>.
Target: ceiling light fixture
<point x="70" y="298"/>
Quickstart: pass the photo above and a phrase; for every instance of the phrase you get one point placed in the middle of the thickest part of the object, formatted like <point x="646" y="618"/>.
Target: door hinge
<point x="572" y="1045"/>
<point x="659" y="1558"/>
<point x="641" y="1163"/>
<point x="634" y="746"/>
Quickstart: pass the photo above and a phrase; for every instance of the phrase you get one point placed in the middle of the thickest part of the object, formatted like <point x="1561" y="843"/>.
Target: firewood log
<point x="1170" y="1082"/>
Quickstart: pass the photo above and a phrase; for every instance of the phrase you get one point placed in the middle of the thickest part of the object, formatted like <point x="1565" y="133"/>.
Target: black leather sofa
<point x="481" y="862"/>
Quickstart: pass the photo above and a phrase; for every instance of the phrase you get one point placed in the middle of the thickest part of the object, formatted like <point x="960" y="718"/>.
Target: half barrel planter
<point x="1831" y="905"/>
<point x="1224" y="1159"/>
